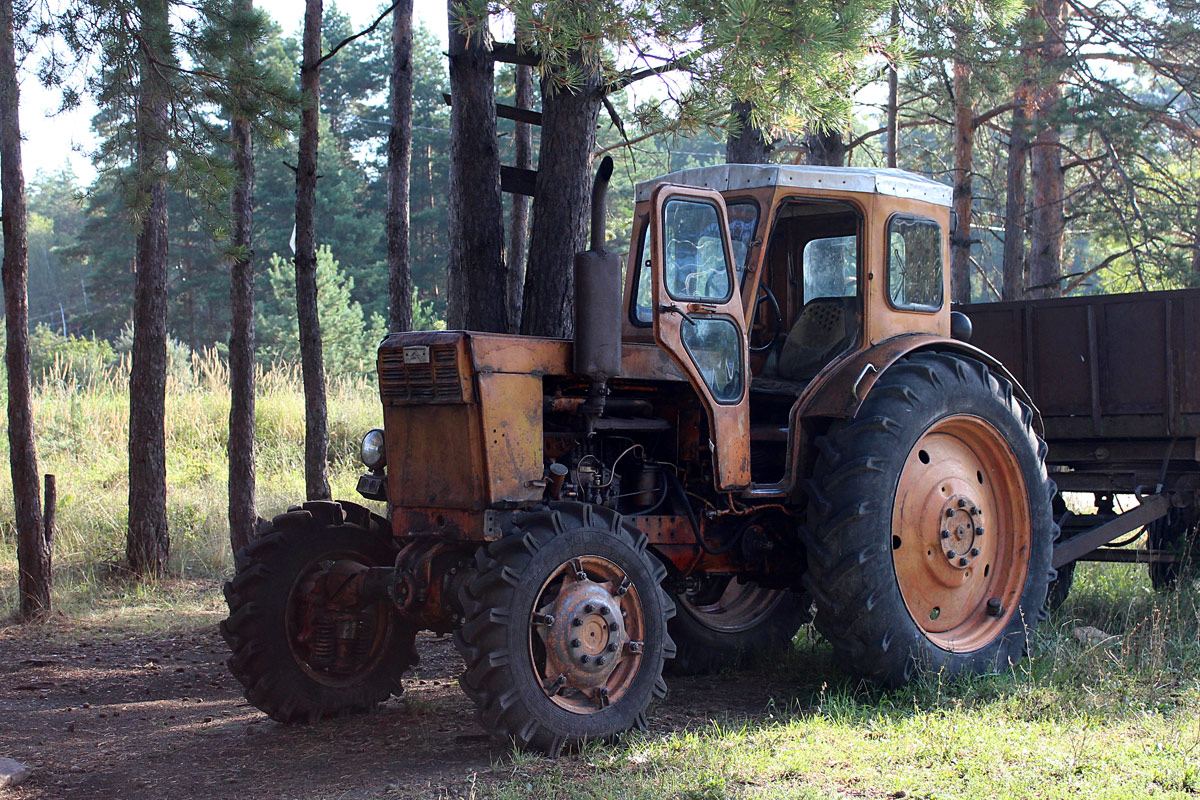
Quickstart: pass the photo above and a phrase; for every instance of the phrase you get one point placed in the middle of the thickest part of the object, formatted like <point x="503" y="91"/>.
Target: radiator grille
<point x="435" y="382"/>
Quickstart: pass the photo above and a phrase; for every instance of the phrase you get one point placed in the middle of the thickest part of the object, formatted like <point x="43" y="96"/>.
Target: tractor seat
<point x="826" y="326"/>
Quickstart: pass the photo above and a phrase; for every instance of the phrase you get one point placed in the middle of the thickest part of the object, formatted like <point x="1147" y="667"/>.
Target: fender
<point x="841" y="391"/>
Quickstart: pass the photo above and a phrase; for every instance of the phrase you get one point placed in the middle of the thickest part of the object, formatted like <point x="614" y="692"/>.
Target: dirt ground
<point x="159" y="716"/>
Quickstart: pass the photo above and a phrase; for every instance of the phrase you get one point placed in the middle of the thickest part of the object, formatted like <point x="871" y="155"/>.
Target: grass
<point x="1118" y="718"/>
<point x="1115" y="719"/>
<point x="82" y="437"/>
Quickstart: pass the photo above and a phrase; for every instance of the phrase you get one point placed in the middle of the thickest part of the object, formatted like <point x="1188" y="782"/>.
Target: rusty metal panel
<point x="1115" y="367"/>
<point x="520" y="355"/>
<point x="424" y="367"/>
<point x="1187" y="353"/>
<point x="1133" y="355"/>
<point x="511" y="408"/>
<point x="434" y="456"/>
<point x="1062" y="373"/>
<point x="1000" y="331"/>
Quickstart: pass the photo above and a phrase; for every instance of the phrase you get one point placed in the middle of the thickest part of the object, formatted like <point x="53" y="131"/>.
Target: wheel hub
<point x="961" y="527"/>
<point x="590" y="637"/>
<point x="587" y="638"/>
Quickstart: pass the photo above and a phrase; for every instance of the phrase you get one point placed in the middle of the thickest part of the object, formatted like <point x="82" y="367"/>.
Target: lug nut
<point x="994" y="609"/>
<point x="576" y="622"/>
<point x="589" y="608"/>
<point x="979" y="530"/>
<point x="543" y="619"/>
<point x="612" y="626"/>
<point x="951" y="554"/>
<point x="945" y="534"/>
<point x="962" y="503"/>
<point x="949" y="513"/>
<point x="576" y="643"/>
<point x="634" y="647"/>
<point x="585" y="658"/>
<point x="604" y="611"/>
<point x="962" y="562"/>
<point x="975" y="512"/>
<point x="612" y="647"/>
<point x="974" y="551"/>
<point x="600" y="660"/>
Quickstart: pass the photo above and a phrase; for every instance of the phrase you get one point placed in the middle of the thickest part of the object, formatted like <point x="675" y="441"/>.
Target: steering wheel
<point x="773" y="325"/>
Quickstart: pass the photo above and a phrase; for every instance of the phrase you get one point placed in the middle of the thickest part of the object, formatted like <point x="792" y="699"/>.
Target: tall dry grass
<point x="82" y="431"/>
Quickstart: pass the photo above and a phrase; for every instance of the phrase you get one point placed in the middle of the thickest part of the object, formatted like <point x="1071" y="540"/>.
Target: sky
<point x="56" y="140"/>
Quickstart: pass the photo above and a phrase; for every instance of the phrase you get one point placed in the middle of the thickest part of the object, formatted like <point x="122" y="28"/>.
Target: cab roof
<point x="867" y="180"/>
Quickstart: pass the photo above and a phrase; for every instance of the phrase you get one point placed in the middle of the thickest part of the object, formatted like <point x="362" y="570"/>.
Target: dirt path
<point x="160" y="717"/>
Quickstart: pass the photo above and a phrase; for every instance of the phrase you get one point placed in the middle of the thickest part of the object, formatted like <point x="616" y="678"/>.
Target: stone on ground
<point x="13" y="773"/>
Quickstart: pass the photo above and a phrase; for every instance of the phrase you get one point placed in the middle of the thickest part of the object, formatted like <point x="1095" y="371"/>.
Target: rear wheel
<point x="722" y="622"/>
<point x="566" y="629"/>
<point x="306" y="643"/>
<point x="930" y="536"/>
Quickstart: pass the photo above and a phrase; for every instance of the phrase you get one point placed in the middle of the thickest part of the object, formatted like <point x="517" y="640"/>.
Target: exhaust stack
<point x="597" y="305"/>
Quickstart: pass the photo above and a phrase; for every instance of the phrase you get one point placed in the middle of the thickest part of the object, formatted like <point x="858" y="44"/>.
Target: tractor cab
<point x="761" y="281"/>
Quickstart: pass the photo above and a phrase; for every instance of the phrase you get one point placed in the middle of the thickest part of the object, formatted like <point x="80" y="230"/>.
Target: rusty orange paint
<point x="961" y="533"/>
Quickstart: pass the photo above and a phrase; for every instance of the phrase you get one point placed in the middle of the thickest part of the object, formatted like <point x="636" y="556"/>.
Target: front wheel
<point x="566" y="629"/>
<point x="305" y="643"/>
<point x="930" y="535"/>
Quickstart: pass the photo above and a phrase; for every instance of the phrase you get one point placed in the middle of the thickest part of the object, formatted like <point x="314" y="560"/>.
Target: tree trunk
<point x="1046" y="232"/>
<point x="476" y="274"/>
<point x="1014" y="204"/>
<point x="749" y="145"/>
<point x="826" y="148"/>
<point x="893" y="99"/>
<point x="964" y="156"/>
<point x="312" y="363"/>
<point x="562" y="206"/>
<point x="33" y="548"/>
<point x="242" y="511"/>
<point x="148" y="542"/>
<point x="399" y="164"/>
<point x="518" y="230"/>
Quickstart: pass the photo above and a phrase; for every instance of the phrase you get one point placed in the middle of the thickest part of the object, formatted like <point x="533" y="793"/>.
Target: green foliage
<point x="68" y="360"/>
<point x="348" y="339"/>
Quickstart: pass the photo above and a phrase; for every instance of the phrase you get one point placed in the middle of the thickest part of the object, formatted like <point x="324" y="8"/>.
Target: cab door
<point x="698" y="317"/>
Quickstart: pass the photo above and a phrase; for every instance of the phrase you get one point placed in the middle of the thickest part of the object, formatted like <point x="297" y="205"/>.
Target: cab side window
<point x="914" y="263"/>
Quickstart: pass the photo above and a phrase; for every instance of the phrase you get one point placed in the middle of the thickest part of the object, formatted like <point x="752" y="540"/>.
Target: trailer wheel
<point x="1060" y="587"/>
<point x="930" y="535"/>
<point x="722" y="622"/>
<point x="305" y="646"/>
<point x="566" y="629"/>
<point x="1176" y="532"/>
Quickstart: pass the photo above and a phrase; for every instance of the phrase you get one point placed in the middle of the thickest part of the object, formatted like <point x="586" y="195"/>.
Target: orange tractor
<point x="770" y="412"/>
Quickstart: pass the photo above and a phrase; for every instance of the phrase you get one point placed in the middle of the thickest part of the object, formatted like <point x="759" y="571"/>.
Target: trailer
<point x="1116" y="379"/>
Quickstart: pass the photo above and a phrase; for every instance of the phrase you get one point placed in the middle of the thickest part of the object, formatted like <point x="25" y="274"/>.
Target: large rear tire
<point x="930" y="533"/>
<point x="723" y="622"/>
<point x="302" y="648"/>
<point x="566" y="629"/>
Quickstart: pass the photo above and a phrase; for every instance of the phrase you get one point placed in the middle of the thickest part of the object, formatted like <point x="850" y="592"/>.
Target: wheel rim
<point x="961" y="533"/>
<point x="333" y="636"/>
<point x="590" y="634"/>
<point x="731" y="607"/>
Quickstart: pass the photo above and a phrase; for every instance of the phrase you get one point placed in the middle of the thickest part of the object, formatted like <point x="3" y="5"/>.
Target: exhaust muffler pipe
<point x="597" y="305"/>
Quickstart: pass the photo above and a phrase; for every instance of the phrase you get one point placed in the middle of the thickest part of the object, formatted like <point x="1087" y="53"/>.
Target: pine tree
<point x="33" y="542"/>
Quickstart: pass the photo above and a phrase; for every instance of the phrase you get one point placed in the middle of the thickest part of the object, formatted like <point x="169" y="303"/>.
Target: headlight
<point x="373" y="454"/>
